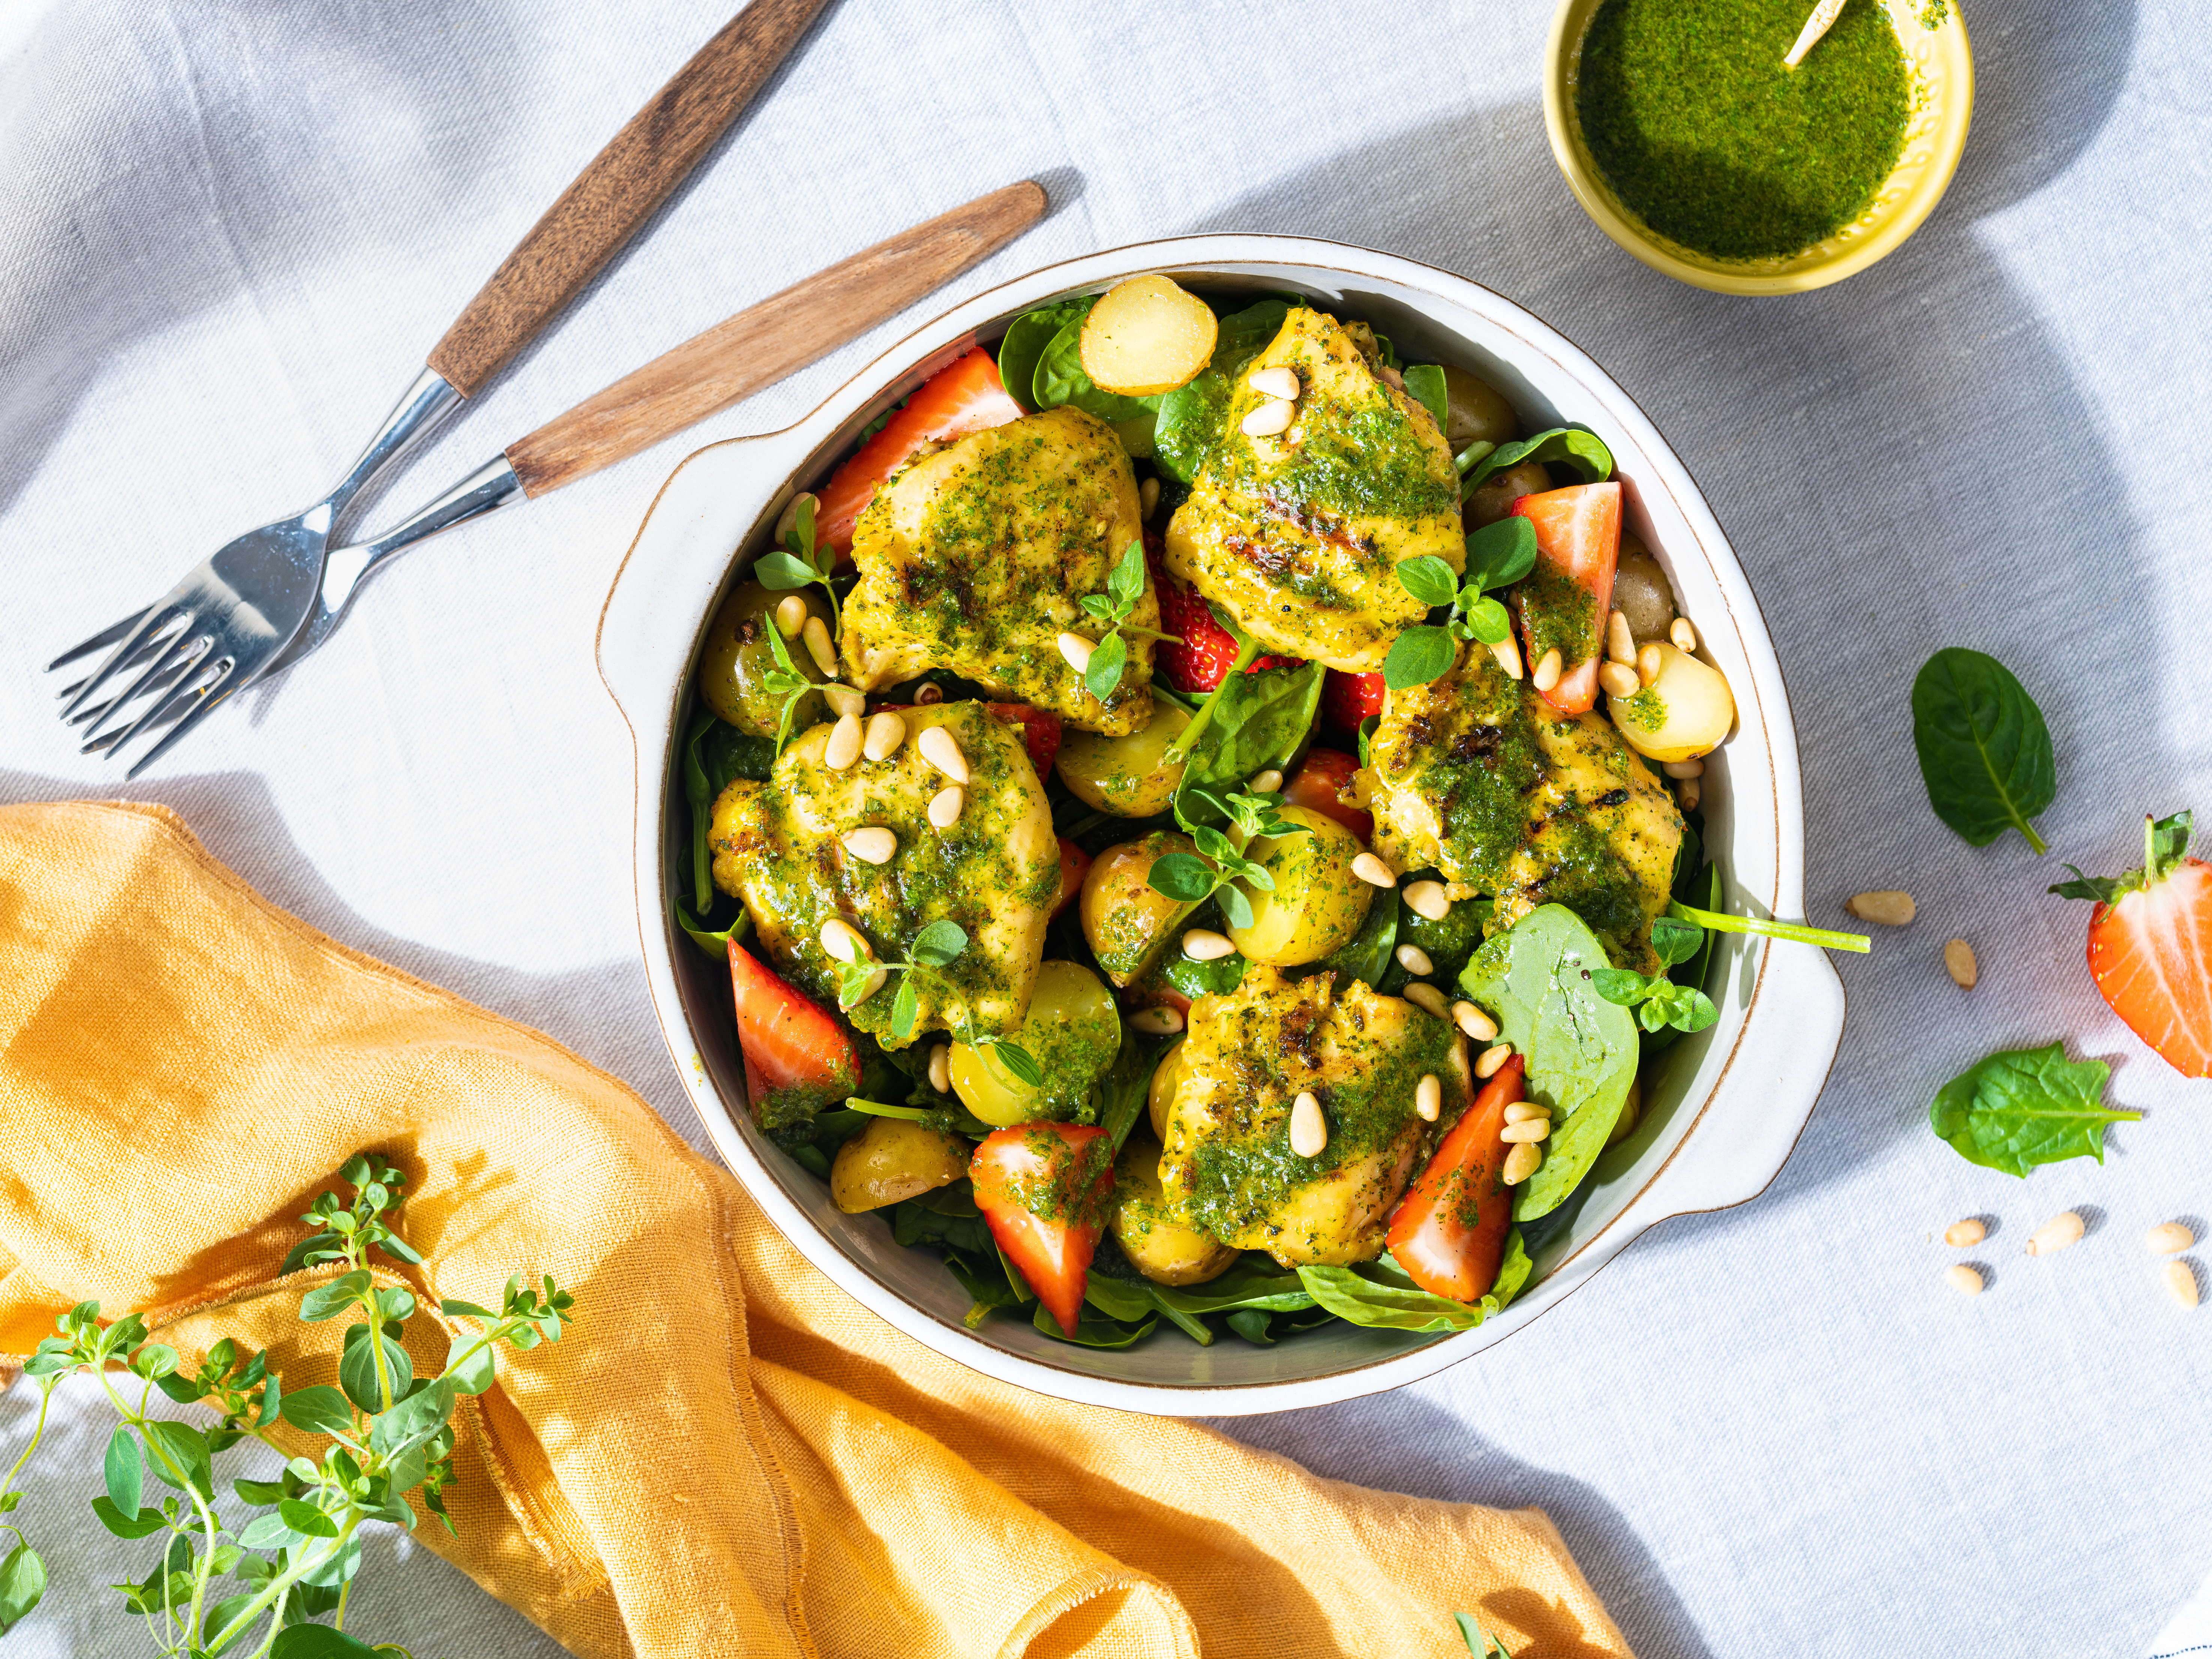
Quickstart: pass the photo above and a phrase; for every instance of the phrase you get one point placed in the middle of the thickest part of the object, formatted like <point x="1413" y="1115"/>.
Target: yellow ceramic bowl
<point x="1942" y="68"/>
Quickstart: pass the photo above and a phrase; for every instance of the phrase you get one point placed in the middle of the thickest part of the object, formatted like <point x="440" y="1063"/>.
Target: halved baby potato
<point x="1685" y="712"/>
<point x="1159" y="1101"/>
<point x="1158" y="1246"/>
<point x="1147" y="335"/>
<point x="892" y="1160"/>
<point x="1072" y="1030"/>
<point x="1317" y="903"/>
<point x="1127" y="921"/>
<point x="1129" y="777"/>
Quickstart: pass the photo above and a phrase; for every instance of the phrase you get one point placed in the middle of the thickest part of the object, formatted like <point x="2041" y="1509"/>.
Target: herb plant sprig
<point x="1657" y="1001"/>
<point x="938" y="945"/>
<point x="800" y="562"/>
<point x="1219" y="866"/>
<point x="1498" y="555"/>
<point x="1125" y="586"/>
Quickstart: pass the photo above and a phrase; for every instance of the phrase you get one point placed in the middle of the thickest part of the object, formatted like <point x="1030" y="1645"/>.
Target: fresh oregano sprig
<point x="1658" y="1000"/>
<point x="800" y="561"/>
<point x="1219" y="865"/>
<point x="936" y="947"/>
<point x="784" y="681"/>
<point x="1498" y="555"/>
<point x="1125" y="586"/>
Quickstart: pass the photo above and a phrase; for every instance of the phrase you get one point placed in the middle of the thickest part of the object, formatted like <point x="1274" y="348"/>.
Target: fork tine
<point x="186" y="644"/>
<point x="209" y="696"/>
<point x="153" y="644"/>
<point x="162" y="710"/>
<point x="155" y="617"/>
<point x="161" y="681"/>
<point x="106" y="635"/>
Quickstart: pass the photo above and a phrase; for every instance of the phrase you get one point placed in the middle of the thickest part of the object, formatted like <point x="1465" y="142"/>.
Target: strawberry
<point x="797" y="1059"/>
<point x="1450" y="1232"/>
<point x="1043" y="1190"/>
<point x="2150" y="944"/>
<point x="1323" y="774"/>
<point x="1040" y="731"/>
<point x="1578" y="538"/>
<point x="1348" y="699"/>
<point x="1202" y="652"/>
<point x="964" y="397"/>
<point x="1074" y="865"/>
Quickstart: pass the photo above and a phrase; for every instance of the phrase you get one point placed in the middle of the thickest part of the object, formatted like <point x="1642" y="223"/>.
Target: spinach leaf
<point x="1512" y="1272"/>
<point x="714" y="941"/>
<point x="716" y="753"/>
<point x="1060" y="378"/>
<point x="1190" y="418"/>
<point x="1190" y="978"/>
<point x="1368" y="955"/>
<point x="1247" y="1285"/>
<point x="1425" y="384"/>
<point x="1024" y="344"/>
<point x="2022" y="1107"/>
<point x="1536" y="981"/>
<point x="1985" y="750"/>
<point x="1090" y="1333"/>
<point x="1259" y="721"/>
<point x="1126" y="1090"/>
<point x="1576" y="448"/>
<point x="987" y="1284"/>
<point x="1381" y="1295"/>
<point x="947" y="1217"/>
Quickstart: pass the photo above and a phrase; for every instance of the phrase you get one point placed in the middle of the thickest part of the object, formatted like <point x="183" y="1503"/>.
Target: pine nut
<point x="1148" y="498"/>
<point x="844" y="941"/>
<point x="1162" y="1021"/>
<point x="1425" y="997"/>
<point x="2181" y="1283"/>
<point x="1429" y="1097"/>
<point x="1527" y="1111"/>
<point x="928" y="692"/>
<point x="1309" y="1128"/>
<point x="942" y="750"/>
<point x="1279" y="380"/>
<point x="1963" y="1279"/>
<point x="1524" y="1160"/>
<point x="1508" y="657"/>
<point x="1692" y="768"/>
<point x="2055" y="1234"/>
<point x="1958" y="963"/>
<point x="1269" y="419"/>
<point x="1890" y="907"/>
<point x="2168" y="1238"/>
<point x="1472" y="1020"/>
<point x="843" y="699"/>
<point x="818" y="647"/>
<point x="872" y="845"/>
<point x="1372" y="870"/>
<point x="1076" y="650"/>
<point x="1428" y="898"/>
<point x="1619" y="643"/>
<point x="1963" y="1235"/>
<point x="945" y="806"/>
<point x="1646" y="664"/>
<point x="940" y="1068"/>
<point x="1689" y="793"/>
<point x="791" y="615"/>
<point x="844" y="745"/>
<point x="1265" y="783"/>
<point x="787" y="522"/>
<point x="1547" y="671"/>
<point x="1684" y="635"/>
<point x="1203" y="944"/>
<point x="1533" y="1128"/>
<point x="1415" y="961"/>
<point x="1487" y="1062"/>
<point x="1619" y="680"/>
<point x="886" y="731"/>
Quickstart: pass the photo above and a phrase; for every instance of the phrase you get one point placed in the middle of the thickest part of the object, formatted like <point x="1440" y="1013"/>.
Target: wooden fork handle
<point x="761" y="344"/>
<point x="615" y="196"/>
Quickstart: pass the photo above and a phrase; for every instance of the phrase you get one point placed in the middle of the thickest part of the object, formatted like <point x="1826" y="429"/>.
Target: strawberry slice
<point x="964" y="397"/>
<point x="1043" y="1190"/>
<point x="1577" y="539"/>
<point x="1040" y="732"/>
<point x="797" y="1059"/>
<point x="1202" y="652"/>
<point x="2150" y="944"/>
<point x="1348" y="699"/>
<point x="1324" y="773"/>
<point x="1450" y="1233"/>
<point x="1074" y="865"/>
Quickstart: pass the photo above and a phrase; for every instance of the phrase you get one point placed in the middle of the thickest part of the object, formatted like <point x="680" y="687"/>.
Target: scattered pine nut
<point x="1077" y="651"/>
<point x="844" y="745"/>
<point x="1427" y="998"/>
<point x="1415" y="961"/>
<point x="1508" y="654"/>
<point x="928" y="692"/>
<point x="1270" y="418"/>
<point x="1527" y="1111"/>
<point x="940" y="1068"/>
<point x="1279" y="380"/>
<point x="1964" y="1235"/>
<point x="1647" y="663"/>
<point x="2168" y="1238"/>
<point x="872" y="845"/>
<point x="1162" y="1021"/>
<point x="1963" y="1279"/>
<point x="1265" y="783"/>
<point x="1689" y="793"/>
<point x="1692" y="768"/>
<point x="787" y="521"/>
<point x="2055" y="1234"/>
<point x="942" y="750"/>
<point x="1958" y="963"/>
<point x="1428" y="898"/>
<point x="2181" y="1283"/>
<point x="790" y="616"/>
<point x="1148" y="497"/>
<point x="945" y="806"/>
<point x="1429" y="1097"/>
<point x="1524" y="1160"/>
<point x="1619" y="680"/>
<point x="1372" y="870"/>
<point x="1529" y="1128"/>
<point x="1203" y="944"/>
<point x="1547" y="669"/>
<point x="886" y="732"/>
<point x="1619" y="643"/>
<point x="1472" y="1020"/>
<point x="843" y="699"/>
<point x="1309" y="1128"/>
<point x="819" y="646"/>
<point x="1684" y="636"/>
<point x="1490" y="1060"/>
<point x="844" y="941"/>
<point x="1890" y="907"/>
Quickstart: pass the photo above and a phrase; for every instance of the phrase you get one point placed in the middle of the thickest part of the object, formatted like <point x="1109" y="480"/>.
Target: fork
<point x="233" y="616"/>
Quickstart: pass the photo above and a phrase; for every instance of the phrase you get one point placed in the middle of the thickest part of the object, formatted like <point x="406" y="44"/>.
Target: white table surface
<point x="229" y="232"/>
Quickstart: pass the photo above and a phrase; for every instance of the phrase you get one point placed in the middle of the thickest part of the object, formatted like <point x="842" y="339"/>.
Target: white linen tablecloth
<point x="230" y="231"/>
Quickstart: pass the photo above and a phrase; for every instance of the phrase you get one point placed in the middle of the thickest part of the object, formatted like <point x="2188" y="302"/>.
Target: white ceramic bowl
<point x="1726" y="1110"/>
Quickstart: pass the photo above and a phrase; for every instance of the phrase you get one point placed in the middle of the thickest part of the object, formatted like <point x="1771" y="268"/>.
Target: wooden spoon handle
<point x="615" y="196"/>
<point x="762" y="344"/>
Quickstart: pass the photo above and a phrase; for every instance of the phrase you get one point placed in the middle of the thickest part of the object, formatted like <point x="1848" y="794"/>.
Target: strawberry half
<point x="1348" y="699"/>
<point x="1043" y="1190"/>
<point x="2150" y="944"/>
<point x="965" y="396"/>
<point x="1202" y="652"/>
<point x="799" y="1060"/>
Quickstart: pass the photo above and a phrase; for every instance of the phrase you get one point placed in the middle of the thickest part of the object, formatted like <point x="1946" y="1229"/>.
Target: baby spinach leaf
<point x="1060" y="378"/>
<point x="1381" y="1296"/>
<point x="1192" y="978"/>
<point x="1260" y="721"/>
<point x="1247" y="1285"/>
<point x="1095" y="1332"/>
<point x="2022" y="1107"/>
<point x="1425" y="384"/>
<point x="715" y="942"/>
<point x="1576" y="448"/>
<point x="1190" y="418"/>
<point x="1536" y="980"/>
<point x="1985" y="750"/>
<point x="947" y="1217"/>
<point x="1512" y="1272"/>
<point x="1024" y="344"/>
<point x="1367" y="954"/>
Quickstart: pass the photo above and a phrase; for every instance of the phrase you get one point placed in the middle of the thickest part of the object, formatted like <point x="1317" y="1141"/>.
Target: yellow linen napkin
<point x="726" y="1454"/>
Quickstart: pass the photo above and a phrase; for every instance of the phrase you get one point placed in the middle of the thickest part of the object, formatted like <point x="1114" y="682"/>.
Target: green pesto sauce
<point x="1645" y="711"/>
<point x="1476" y="769"/>
<point x="1560" y="615"/>
<point x="1703" y="133"/>
<point x="1583" y="872"/>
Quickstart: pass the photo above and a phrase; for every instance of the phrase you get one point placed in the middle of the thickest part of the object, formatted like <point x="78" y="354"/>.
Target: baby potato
<point x="1162" y="1095"/>
<point x="1072" y="1030"/>
<point x="1126" y="776"/>
<point x="894" y="1159"/>
<point x="1158" y="1246"/>
<point x="1317" y="904"/>
<point x="1640" y="590"/>
<point x="1147" y="335"/>
<point x="1686" y="712"/>
<point x="1474" y="412"/>
<point x="1126" y="921"/>
<point x="737" y="658"/>
<point x="1494" y="496"/>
